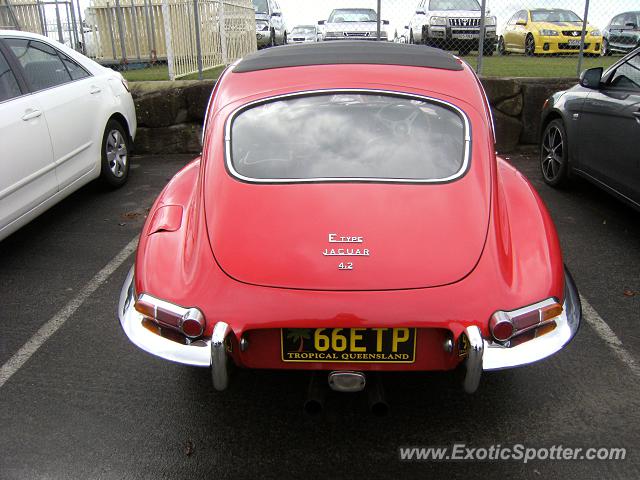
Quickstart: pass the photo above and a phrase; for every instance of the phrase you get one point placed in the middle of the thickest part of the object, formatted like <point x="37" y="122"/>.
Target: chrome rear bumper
<point x="201" y="353"/>
<point x="497" y="357"/>
<point x="483" y="354"/>
<point x="487" y="355"/>
<point x="197" y="354"/>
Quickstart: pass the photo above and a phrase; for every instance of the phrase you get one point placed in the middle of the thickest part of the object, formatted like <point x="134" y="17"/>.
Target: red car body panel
<point x="416" y="245"/>
<point x="449" y="257"/>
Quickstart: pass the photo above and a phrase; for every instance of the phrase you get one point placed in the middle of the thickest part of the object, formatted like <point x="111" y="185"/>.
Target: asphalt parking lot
<point x="83" y="402"/>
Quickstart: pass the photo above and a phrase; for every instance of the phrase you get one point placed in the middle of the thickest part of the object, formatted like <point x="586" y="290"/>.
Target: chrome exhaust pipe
<point x="375" y="394"/>
<point x="315" y="396"/>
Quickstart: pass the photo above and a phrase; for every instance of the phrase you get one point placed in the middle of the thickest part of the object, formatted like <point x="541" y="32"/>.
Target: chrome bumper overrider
<point x="201" y="353"/>
<point x="487" y="355"/>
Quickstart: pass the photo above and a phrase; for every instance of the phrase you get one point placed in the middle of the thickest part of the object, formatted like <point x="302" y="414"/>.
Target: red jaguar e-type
<point x="349" y="215"/>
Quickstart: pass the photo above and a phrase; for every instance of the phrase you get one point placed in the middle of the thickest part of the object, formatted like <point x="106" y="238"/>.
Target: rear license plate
<point x="353" y="345"/>
<point x="574" y="43"/>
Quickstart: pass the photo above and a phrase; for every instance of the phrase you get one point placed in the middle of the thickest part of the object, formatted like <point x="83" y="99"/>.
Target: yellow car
<point x="548" y="31"/>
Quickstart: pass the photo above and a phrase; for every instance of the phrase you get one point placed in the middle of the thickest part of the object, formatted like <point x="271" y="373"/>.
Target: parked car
<point x="622" y="34"/>
<point x="353" y="24"/>
<point x="64" y="121"/>
<point x="304" y="34"/>
<point x="592" y="130"/>
<point x="548" y="31"/>
<point x="349" y="216"/>
<point x="270" y="25"/>
<point x="452" y="25"/>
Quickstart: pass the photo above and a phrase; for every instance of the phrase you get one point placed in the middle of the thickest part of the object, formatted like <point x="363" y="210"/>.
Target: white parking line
<point x="44" y="333"/>
<point x="610" y="338"/>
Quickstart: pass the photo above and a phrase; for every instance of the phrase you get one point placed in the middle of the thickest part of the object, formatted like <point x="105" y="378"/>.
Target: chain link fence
<point x="497" y="37"/>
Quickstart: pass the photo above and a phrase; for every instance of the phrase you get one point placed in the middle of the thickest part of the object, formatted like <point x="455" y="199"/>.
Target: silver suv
<point x="452" y="25"/>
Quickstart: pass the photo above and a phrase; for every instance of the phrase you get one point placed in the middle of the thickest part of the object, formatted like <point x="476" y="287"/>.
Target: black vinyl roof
<point x="348" y="52"/>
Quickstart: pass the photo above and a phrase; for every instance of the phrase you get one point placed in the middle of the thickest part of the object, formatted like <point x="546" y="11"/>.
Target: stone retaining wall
<point x="517" y="104"/>
<point x="170" y="114"/>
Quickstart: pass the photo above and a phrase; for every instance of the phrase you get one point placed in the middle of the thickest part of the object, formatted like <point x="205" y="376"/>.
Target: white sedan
<point x="64" y="121"/>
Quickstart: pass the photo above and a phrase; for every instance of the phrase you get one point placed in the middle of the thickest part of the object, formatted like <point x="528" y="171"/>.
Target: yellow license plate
<point x="351" y="345"/>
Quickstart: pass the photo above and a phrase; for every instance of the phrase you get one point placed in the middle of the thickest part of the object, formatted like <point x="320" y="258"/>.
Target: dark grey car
<point x="622" y="34"/>
<point x="593" y="130"/>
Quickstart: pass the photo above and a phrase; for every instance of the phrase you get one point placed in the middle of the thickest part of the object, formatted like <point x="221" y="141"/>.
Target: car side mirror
<point x="276" y="14"/>
<point x="321" y="22"/>
<point x="385" y="22"/>
<point x="521" y="22"/>
<point x="406" y="27"/>
<point x="420" y="11"/>
<point x="591" y="78"/>
<point x="631" y="25"/>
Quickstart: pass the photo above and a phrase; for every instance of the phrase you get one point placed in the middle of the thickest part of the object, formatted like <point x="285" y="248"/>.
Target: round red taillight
<point x="192" y="323"/>
<point x="191" y="328"/>
<point x="501" y="328"/>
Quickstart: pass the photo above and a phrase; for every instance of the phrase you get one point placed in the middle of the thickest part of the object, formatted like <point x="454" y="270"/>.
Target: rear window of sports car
<point x="348" y="136"/>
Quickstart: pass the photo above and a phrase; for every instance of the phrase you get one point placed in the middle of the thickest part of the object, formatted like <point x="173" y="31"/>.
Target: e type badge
<point x="344" y="251"/>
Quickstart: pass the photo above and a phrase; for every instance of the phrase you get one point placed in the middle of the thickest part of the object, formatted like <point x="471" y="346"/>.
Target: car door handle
<point x="31" y="114"/>
<point x="93" y="90"/>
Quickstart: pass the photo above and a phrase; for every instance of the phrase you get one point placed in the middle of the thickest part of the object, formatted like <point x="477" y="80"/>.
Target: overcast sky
<point x="398" y="12"/>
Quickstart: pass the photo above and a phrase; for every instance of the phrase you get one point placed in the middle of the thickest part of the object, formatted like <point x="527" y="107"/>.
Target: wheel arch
<point x="122" y="120"/>
<point x="556" y="114"/>
<point x="547" y="119"/>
